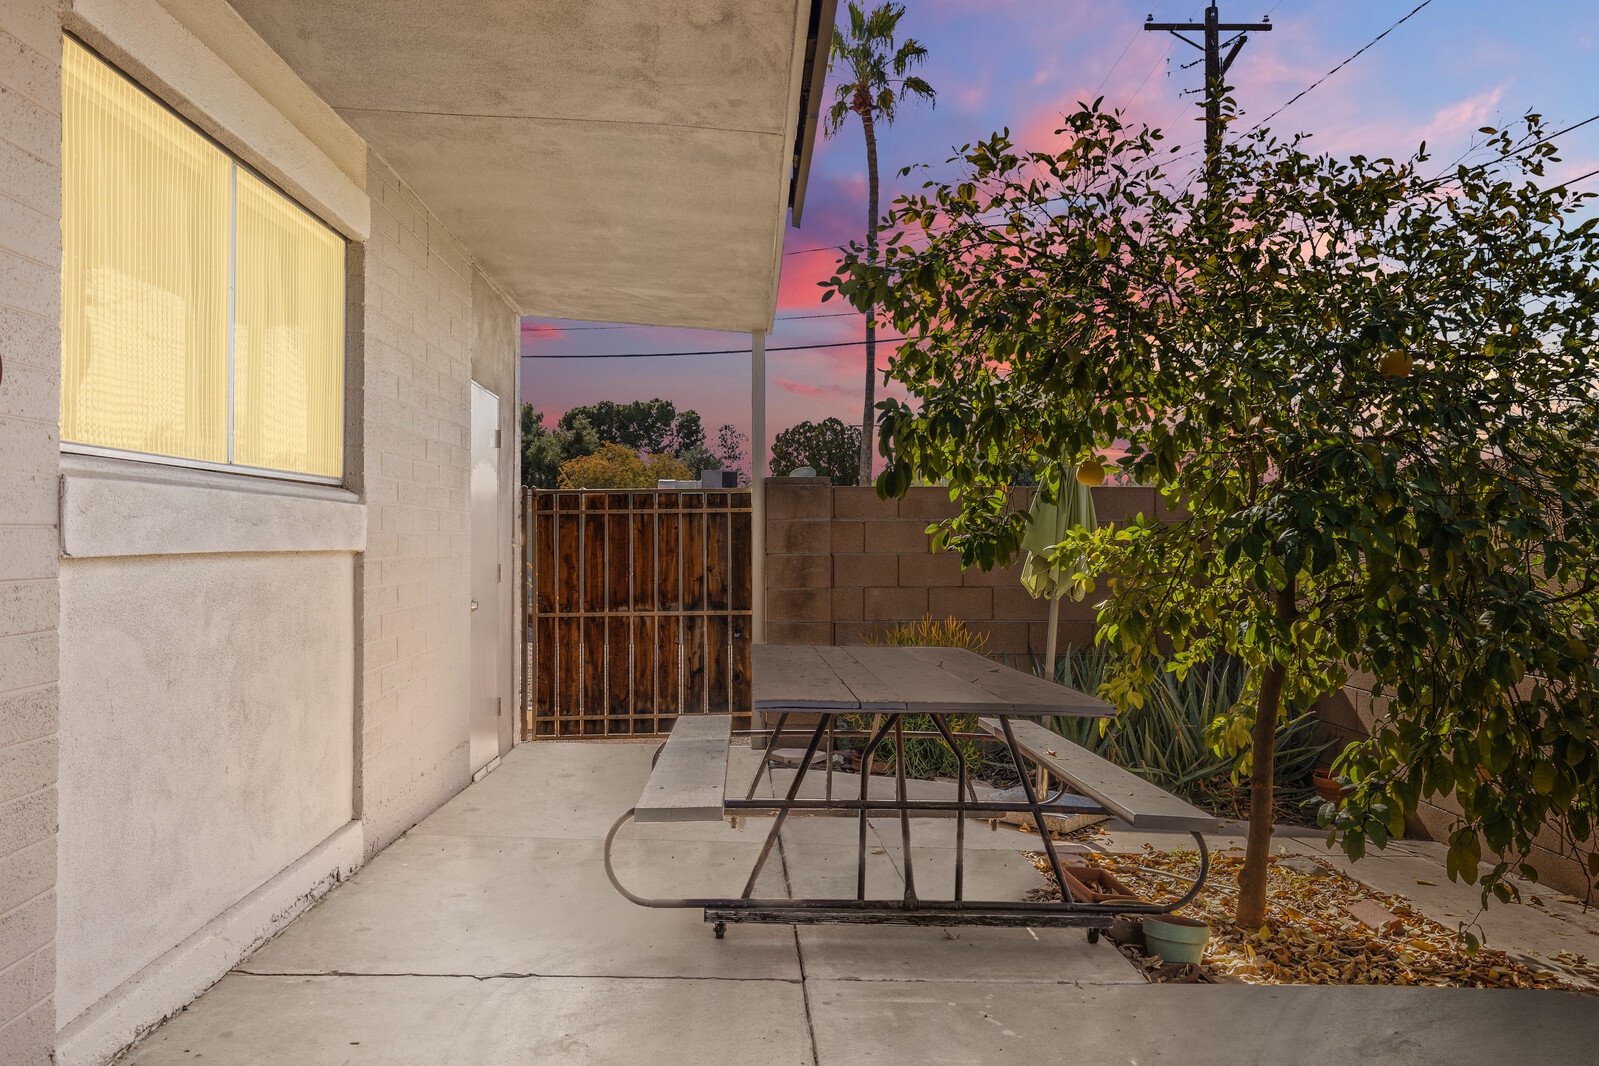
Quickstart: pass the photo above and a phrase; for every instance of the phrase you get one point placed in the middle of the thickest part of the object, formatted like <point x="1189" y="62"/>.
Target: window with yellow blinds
<point x="202" y="310"/>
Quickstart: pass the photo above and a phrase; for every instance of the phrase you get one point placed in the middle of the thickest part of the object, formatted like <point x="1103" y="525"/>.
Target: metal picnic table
<point x="866" y="694"/>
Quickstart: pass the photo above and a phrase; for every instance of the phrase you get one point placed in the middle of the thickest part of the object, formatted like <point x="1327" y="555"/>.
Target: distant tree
<point x="616" y="466"/>
<point x="544" y="450"/>
<point x="829" y="447"/>
<point x="732" y="451"/>
<point x="651" y="426"/>
<point x="875" y="78"/>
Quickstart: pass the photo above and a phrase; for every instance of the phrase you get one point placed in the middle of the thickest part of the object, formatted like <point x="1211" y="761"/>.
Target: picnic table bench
<point x="689" y="780"/>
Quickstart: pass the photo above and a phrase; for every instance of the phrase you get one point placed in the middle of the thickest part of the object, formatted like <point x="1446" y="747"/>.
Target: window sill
<point x="118" y="507"/>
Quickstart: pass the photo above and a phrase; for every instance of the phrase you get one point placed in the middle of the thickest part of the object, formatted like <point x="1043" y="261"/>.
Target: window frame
<point x="230" y="467"/>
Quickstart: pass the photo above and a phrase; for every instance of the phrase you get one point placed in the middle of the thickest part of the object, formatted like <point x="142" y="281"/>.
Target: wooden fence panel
<point x="638" y="609"/>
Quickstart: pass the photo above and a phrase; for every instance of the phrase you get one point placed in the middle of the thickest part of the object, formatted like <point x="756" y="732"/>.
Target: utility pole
<point x="1215" y="66"/>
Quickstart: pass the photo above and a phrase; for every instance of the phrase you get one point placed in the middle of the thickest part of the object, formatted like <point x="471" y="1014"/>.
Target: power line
<point x="722" y="351"/>
<point x="818" y="248"/>
<point x="1515" y="151"/>
<point x="1340" y="66"/>
<point x="1573" y="181"/>
<point x="1123" y="56"/>
<point x="1155" y="66"/>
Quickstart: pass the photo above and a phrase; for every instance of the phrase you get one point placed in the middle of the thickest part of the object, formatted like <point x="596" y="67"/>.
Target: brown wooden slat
<point x="544" y="677"/>
<point x="567" y="571"/>
<point x="619" y="559"/>
<point x="693" y="533"/>
<point x="717" y="538"/>
<point x="593" y="675"/>
<point x="668" y="557"/>
<point x="668" y="669"/>
<point x="544" y="564"/>
<point x="593" y="558"/>
<point x="644" y="669"/>
<point x="568" y="668"/>
<point x="717" y="669"/>
<point x="693" y="663"/>
<point x="739" y="694"/>
<point x="618" y="671"/>
<point x="739" y="565"/>
<point x="644" y="581"/>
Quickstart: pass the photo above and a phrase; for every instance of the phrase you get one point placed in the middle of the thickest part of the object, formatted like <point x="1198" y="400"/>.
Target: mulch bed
<point x="1309" y="938"/>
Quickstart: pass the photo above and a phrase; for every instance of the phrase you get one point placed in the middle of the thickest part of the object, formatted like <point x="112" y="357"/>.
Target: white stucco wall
<point x="208" y="714"/>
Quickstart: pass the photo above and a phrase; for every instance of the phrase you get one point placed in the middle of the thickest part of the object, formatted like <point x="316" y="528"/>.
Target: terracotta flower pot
<point x="1327" y="786"/>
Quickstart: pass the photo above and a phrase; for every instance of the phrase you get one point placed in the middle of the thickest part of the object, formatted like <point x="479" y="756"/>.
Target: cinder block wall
<point x="841" y="563"/>
<point x="1348" y="716"/>
<point x="30" y="409"/>
<point x="414" y="468"/>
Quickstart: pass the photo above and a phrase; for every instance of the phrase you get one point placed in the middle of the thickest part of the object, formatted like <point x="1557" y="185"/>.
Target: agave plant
<point x="1164" y="741"/>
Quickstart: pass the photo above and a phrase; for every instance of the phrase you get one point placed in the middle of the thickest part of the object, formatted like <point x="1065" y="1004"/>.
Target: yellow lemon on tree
<point x="1091" y="472"/>
<point x="1395" y="363"/>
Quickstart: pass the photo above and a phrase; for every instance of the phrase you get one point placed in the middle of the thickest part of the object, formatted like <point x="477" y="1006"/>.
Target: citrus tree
<point x="1368" y="395"/>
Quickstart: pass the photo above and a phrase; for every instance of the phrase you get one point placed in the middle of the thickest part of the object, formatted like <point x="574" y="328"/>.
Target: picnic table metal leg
<point x="962" y="786"/>
<point x="829" y="792"/>
<point x="879" y="731"/>
<point x="1038" y="810"/>
<point x="765" y="765"/>
<point x="904" y="812"/>
<point x="782" y="811"/>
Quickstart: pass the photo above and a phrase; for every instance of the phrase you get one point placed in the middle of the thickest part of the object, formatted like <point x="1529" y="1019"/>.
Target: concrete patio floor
<point x="489" y="935"/>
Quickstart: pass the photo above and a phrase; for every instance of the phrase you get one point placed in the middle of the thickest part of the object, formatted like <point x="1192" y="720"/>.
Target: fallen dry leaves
<point x="1310" y="939"/>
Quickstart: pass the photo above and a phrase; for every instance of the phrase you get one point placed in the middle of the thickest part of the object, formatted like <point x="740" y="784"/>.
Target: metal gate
<point x="638" y="610"/>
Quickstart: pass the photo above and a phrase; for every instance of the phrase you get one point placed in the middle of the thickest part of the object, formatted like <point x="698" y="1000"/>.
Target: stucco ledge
<point x="113" y="508"/>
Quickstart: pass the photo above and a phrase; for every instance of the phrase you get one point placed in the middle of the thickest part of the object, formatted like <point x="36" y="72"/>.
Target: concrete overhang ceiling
<point x="618" y="160"/>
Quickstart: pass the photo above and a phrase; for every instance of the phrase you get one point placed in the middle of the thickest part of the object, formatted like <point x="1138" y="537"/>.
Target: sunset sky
<point x="1454" y="66"/>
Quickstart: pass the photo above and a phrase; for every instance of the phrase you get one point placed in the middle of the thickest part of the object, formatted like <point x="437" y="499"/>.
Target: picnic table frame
<point x="886" y="684"/>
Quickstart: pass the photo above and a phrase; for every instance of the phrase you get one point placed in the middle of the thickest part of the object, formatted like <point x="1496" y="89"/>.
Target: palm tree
<point x="876" y="80"/>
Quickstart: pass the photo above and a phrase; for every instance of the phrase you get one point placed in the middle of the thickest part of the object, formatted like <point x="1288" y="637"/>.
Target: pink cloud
<point x="802" y="388"/>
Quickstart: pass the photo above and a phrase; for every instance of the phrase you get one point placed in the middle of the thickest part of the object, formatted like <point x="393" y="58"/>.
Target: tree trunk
<point x="1251" y="912"/>
<point x="868" y="422"/>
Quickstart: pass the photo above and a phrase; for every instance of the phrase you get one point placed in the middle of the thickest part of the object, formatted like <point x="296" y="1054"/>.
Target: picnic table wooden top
<point x="897" y="680"/>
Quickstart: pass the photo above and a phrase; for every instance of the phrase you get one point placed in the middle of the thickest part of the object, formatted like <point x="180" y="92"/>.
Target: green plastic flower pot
<point x="1175" y="939"/>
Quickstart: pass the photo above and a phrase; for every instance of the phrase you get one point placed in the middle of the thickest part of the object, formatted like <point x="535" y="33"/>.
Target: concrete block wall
<point x="842" y="563"/>
<point x="413" y="584"/>
<point x="1348" y="716"/>
<point x="30" y="346"/>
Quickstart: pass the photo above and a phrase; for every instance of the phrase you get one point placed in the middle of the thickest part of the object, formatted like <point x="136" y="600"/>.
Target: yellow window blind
<point x="144" y="286"/>
<point x="288" y="341"/>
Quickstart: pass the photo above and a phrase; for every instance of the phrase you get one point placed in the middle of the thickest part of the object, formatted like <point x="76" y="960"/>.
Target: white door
<point x="487" y="626"/>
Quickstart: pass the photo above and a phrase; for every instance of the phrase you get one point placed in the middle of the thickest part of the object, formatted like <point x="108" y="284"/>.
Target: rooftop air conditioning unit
<point x="719" y="479"/>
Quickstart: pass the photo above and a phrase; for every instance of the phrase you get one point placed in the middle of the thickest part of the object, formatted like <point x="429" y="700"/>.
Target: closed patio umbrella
<point x="1049" y="527"/>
